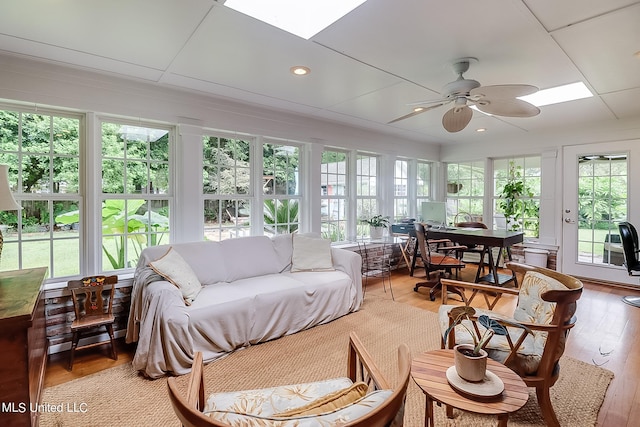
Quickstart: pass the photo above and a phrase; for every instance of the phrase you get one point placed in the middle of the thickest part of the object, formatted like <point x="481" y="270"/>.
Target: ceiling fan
<point x="499" y="100"/>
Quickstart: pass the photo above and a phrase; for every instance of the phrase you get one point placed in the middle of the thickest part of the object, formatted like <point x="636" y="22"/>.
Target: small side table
<point x="377" y="265"/>
<point x="429" y="369"/>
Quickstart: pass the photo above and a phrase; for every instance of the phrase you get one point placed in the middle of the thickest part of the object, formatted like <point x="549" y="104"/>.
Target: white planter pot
<point x="376" y="232"/>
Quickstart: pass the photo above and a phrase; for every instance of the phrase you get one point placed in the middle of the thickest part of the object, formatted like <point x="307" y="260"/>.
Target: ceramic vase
<point x="376" y="232"/>
<point x="470" y="368"/>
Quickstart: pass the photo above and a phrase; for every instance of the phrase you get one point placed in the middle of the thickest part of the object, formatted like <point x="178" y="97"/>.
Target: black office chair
<point x="630" y="249"/>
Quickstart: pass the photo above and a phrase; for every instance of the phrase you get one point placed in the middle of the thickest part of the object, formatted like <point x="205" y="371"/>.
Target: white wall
<point x="49" y="85"/>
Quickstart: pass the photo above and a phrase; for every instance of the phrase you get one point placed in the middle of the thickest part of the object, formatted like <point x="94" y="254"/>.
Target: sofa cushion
<point x="330" y="402"/>
<point x="264" y="406"/>
<point x="205" y="259"/>
<point x="249" y="257"/>
<point x="283" y="245"/>
<point x="311" y="254"/>
<point x="176" y="270"/>
<point x="531" y="307"/>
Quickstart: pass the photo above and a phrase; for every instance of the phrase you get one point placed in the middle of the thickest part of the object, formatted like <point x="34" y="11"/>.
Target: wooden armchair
<point x="93" y="305"/>
<point x="193" y="407"/>
<point x="536" y="341"/>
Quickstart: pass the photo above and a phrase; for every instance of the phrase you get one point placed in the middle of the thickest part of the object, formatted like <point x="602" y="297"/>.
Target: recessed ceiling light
<point x="418" y="109"/>
<point x="300" y="70"/>
<point x="558" y="94"/>
<point x="302" y="18"/>
<point x="481" y="130"/>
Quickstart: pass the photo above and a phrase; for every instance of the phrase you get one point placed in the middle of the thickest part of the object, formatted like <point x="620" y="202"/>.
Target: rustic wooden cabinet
<point x="23" y="345"/>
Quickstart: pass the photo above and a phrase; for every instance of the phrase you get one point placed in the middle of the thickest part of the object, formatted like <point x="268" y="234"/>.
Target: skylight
<point x="558" y="94"/>
<point x="302" y="18"/>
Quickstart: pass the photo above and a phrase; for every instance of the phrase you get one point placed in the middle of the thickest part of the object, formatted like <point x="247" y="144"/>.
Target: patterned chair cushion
<point x="262" y="407"/>
<point x="531" y="308"/>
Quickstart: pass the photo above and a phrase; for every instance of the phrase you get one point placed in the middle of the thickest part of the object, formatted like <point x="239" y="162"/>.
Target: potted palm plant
<point x="470" y="360"/>
<point x="377" y="224"/>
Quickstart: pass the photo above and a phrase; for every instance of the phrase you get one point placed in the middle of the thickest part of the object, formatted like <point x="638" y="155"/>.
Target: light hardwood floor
<point x="606" y="334"/>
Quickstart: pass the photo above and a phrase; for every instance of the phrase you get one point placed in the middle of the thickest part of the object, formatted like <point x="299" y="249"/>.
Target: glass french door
<point x="597" y="196"/>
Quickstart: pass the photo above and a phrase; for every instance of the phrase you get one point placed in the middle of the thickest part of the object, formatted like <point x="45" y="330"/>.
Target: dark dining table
<point x="489" y="239"/>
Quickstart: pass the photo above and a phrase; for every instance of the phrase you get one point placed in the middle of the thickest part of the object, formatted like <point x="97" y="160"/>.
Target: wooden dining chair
<point x="474" y="249"/>
<point x="93" y="306"/>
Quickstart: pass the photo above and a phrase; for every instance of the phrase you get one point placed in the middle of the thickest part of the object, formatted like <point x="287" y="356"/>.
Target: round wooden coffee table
<point x="429" y="369"/>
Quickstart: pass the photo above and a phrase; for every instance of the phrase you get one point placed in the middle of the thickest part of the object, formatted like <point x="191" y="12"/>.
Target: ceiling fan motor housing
<point x="459" y="87"/>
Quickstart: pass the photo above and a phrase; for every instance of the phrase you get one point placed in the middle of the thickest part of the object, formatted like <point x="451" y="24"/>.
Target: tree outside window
<point x="334" y="190"/>
<point x="465" y="192"/>
<point x="42" y="151"/>
<point x="281" y="188"/>
<point x="226" y="186"/>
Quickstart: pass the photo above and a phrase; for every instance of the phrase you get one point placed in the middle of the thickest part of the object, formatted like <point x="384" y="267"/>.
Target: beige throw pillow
<point x="311" y="254"/>
<point x="175" y="269"/>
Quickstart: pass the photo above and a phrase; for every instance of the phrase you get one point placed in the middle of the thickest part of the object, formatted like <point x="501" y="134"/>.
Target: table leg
<point x="502" y="420"/>
<point x="428" y="413"/>
<point x="449" y="411"/>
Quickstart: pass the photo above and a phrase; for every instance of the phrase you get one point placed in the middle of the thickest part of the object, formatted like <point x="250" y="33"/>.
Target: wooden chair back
<point x="89" y="297"/>
<point x="471" y="224"/>
<point x="360" y="367"/>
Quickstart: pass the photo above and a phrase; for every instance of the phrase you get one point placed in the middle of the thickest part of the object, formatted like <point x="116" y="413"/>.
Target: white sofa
<point x="249" y="295"/>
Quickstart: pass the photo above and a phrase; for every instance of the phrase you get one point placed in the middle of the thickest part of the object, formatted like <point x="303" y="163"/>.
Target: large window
<point x="226" y="186"/>
<point x="400" y="189"/>
<point x="42" y="152"/>
<point x="135" y="191"/>
<point x="366" y="190"/>
<point x="602" y="203"/>
<point x="517" y="183"/>
<point x="423" y="183"/>
<point x="333" y="195"/>
<point x="281" y="188"/>
<point x="465" y="192"/>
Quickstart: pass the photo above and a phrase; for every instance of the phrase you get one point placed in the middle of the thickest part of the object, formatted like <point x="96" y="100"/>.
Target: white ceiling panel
<point x="143" y="32"/>
<point x="365" y="68"/>
<point x="624" y="104"/>
<point x="558" y="14"/>
<point x="261" y="57"/>
<point x="604" y="47"/>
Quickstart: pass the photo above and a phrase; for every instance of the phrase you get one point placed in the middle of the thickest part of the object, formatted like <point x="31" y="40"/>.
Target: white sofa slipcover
<point x="249" y="295"/>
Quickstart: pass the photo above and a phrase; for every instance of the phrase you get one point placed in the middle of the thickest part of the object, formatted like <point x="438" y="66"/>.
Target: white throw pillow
<point x="249" y="257"/>
<point x="176" y="270"/>
<point x="311" y="254"/>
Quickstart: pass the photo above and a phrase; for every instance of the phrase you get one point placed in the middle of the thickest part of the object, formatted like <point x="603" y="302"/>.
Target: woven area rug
<point x="120" y="397"/>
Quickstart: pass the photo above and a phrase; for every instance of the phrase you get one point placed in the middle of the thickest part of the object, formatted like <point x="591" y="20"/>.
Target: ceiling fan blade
<point x="419" y="110"/>
<point x="508" y="107"/>
<point x="432" y="101"/>
<point x="502" y="91"/>
<point x="457" y="118"/>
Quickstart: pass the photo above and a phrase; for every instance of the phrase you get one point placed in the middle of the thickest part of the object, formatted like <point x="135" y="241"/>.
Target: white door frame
<point x="570" y="264"/>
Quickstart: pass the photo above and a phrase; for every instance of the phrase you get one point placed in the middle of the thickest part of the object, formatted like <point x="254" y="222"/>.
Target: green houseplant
<point x="377" y="224"/>
<point x="516" y="203"/>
